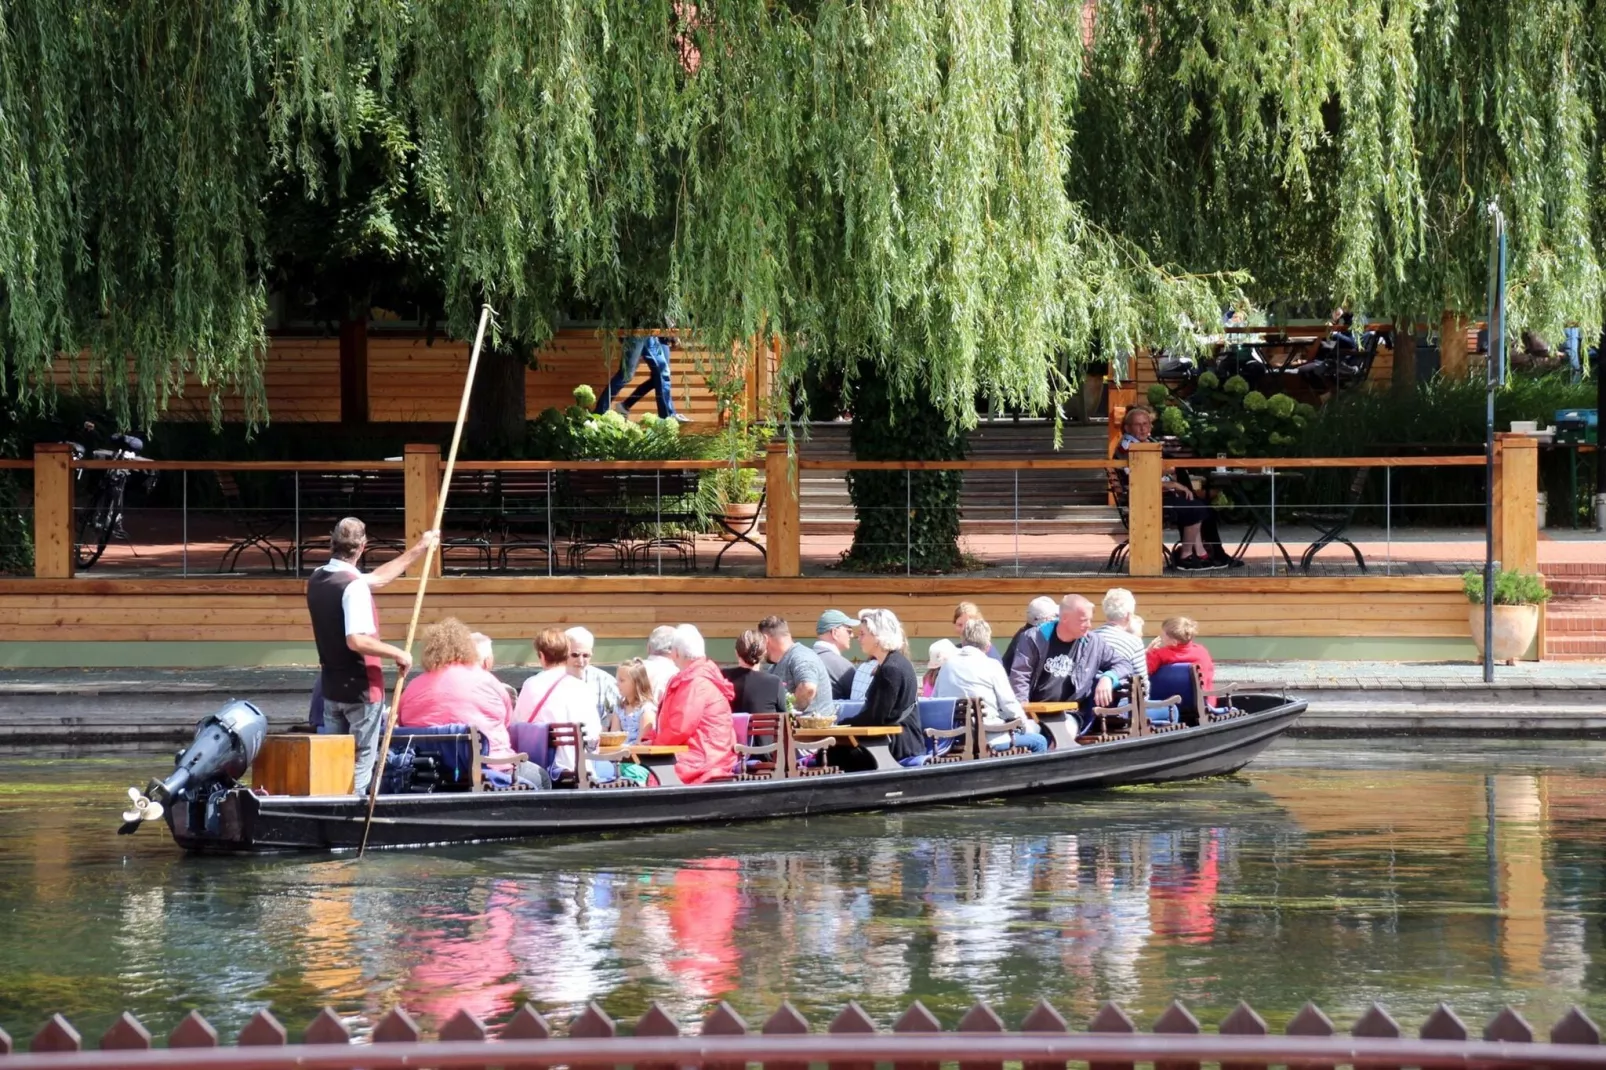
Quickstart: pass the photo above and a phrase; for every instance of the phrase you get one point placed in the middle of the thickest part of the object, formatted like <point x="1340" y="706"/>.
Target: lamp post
<point x="1495" y="377"/>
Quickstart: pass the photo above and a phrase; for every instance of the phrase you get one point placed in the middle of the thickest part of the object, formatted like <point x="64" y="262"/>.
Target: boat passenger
<point x="660" y="665"/>
<point x="1175" y="644"/>
<point x="1038" y="611"/>
<point x="941" y="650"/>
<point x="696" y="713"/>
<point x="487" y="652"/>
<point x="603" y="687"/>
<point x="893" y="697"/>
<point x="799" y="668"/>
<point x="1065" y="661"/>
<point x="834" y="632"/>
<point x="454" y="690"/>
<point x="970" y="673"/>
<point x="756" y="691"/>
<point x="345" y="627"/>
<point x="965" y="612"/>
<point x="637" y="713"/>
<point x="553" y="696"/>
<point x="1119" y="606"/>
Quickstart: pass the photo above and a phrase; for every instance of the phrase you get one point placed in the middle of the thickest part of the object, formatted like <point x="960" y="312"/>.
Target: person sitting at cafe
<point x="756" y="691"/>
<point x="455" y="690"/>
<point x="1038" y="610"/>
<point x="834" y="634"/>
<point x="941" y="650"/>
<point x="1180" y="506"/>
<point x="696" y="713"/>
<point x="1065" y="661"/>
<point x="553" y="696"/>
<point x="893" y="697"/>
<point x="1119" y="607"/>
<point x="970" y="673"/>
<point x="637" y="712"/>
<point x="1176" y="645"/>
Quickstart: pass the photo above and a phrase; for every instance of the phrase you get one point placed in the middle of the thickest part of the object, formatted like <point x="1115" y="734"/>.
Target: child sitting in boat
<point x="637" y="713"/>
<point x="1175" y="644"/>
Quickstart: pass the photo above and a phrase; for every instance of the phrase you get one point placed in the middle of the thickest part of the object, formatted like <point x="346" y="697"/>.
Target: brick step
<point x="1576" y="587"/>
<point x="1585" y="569"/>
<point x="1574" y="625"/>
<point x="1575" y="648"/>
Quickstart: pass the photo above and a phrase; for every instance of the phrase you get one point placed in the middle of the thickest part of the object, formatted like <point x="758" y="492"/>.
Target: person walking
<point x="345" y="628"/>
<point x="655" y="351"/>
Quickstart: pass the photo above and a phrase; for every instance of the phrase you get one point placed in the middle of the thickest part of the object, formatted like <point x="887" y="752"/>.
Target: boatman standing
<point x="345" y="627"/>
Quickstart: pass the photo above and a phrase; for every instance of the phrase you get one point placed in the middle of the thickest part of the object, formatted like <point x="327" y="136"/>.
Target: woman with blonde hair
<point x="455" y="690"/>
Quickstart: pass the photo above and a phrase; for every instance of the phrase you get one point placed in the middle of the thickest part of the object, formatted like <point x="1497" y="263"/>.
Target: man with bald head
<point x="1064" y="661"/>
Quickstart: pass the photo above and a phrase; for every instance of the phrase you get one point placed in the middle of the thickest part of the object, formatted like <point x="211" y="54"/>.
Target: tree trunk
<point x="908" y="521"/>
<point x="496" y="427"/>
<point x="1404" y="358"/>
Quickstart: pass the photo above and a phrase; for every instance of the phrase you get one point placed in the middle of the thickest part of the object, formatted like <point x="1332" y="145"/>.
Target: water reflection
<point x="1338" y="872"/>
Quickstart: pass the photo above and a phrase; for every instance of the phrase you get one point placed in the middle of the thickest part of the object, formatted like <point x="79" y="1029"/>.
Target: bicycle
<point x="102" y="519"/>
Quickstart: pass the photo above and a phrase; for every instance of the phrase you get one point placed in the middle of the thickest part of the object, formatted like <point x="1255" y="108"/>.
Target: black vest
<point x="347" y="675"/>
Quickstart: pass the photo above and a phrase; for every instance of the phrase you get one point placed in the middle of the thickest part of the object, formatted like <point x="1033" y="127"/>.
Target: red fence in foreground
<point x="852" y="1041"/>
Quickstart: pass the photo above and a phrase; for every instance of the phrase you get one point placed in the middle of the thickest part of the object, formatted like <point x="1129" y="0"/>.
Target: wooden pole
<point x="52" y="511"/>
<point x="424" y="572"/>
<point x="421" y="470"/>
<point x="782" y="552"/>
<point x="1145" y="517"/>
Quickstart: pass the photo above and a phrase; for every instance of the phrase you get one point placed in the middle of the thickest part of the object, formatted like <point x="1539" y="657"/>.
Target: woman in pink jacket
<point x="696" y="712"/>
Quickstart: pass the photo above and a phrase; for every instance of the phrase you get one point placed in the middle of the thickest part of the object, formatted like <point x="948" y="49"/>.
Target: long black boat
<point x="234" y="820"/>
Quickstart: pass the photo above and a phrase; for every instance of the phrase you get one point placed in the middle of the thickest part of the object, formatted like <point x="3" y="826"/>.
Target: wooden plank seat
<point x="759" y="761"/>
<point x="543" y="741"/>
<point x="458" y="760"/>
<point x="950" y="729"/>
<point x="1193" y="706"/>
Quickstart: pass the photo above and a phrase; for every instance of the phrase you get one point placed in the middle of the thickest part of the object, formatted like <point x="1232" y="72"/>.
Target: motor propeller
<point x="225" y="744"/>
<point x="145" y="809"/>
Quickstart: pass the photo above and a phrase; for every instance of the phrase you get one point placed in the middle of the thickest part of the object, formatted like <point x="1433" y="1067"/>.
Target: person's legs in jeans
<point x="657" y="357"/>
<point x="365" y="721"/>
<point x="1031" y="741"/>
<point x="627" y="371"/>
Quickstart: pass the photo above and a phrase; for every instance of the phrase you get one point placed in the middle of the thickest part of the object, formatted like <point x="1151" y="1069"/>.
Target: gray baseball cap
<point x="834" y="618"/>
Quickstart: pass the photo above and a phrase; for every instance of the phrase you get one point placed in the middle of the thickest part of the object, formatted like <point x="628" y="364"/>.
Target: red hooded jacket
<point x="696" y="713"/>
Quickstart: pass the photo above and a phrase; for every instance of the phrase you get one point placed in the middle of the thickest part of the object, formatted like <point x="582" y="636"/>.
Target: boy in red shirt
<point x="1175" y="644"/>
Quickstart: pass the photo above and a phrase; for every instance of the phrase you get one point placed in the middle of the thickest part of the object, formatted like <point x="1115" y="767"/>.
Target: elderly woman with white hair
<point x="696" y="712"/>
<point x="1119" y="608"/>
<point x="893" y="697"/>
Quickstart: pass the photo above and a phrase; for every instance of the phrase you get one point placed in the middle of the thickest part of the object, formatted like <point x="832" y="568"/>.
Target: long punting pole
<point x="423" y="578"/>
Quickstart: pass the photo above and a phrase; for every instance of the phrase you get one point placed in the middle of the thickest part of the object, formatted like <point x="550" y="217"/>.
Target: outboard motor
<point x="225" y="745"/>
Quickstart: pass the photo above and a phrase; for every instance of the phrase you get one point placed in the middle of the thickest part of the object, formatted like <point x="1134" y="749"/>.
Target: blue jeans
<point x="656" y="354"/>
<point x="1032" y="741"/>
<point x="366" y="721"/>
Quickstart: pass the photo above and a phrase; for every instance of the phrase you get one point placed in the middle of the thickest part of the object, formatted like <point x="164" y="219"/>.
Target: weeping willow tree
<point x="951" y="196"/>
<point x="1347" y="152"/>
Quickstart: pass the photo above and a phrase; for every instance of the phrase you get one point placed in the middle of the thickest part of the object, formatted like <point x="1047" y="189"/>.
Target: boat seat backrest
<point x="1178" y="678"/>
<point x="739" y="728"/>
<point x="766" y="726"/>
<point x="451" y="745"/>
<point x="848" y="708"/>
<point x="532" y="739"/>
<point x="938" y="713"/>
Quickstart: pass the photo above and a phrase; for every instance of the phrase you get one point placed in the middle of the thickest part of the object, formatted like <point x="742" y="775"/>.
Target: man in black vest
<point x="345" y="627"/>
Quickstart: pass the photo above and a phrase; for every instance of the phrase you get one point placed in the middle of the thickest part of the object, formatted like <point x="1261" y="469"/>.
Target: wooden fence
<point x="852" y="1041"/>
<point x="1516" y="491"/>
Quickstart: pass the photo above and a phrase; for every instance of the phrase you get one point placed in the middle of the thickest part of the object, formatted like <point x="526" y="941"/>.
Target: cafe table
<point x="1237" y="484"/>
<point x="659" y="761"/>
<point x="874" y="738"/>
<point x="1052" y="718"/>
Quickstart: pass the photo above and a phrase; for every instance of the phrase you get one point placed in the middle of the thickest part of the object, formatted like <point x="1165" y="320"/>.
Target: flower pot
<point x="1514" y="630"/>
<point x="738" y="516"/>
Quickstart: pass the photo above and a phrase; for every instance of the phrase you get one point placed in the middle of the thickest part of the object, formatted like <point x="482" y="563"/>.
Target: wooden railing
<point x="851" y="1040"/>
<point x="1516" y="490"/>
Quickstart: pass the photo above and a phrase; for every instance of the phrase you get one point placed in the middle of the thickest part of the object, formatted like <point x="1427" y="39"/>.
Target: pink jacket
<point x="459" y="694"/>
<point x="696" y="713"/>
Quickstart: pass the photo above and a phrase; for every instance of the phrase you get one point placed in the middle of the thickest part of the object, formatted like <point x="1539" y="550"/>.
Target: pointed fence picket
<point x="980" y="1040"/>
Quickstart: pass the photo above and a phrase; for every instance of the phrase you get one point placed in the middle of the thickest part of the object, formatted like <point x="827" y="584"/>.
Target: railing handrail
<point x="852" y="1038"/>
<point x="146" y="465"/>
<point x="992" y="464"/>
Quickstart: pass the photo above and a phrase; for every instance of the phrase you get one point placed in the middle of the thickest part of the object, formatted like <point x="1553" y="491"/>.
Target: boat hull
<point x="244" y="823"/>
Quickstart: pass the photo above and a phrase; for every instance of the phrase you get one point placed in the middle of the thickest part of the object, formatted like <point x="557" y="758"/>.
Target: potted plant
<point x="1516" y="602"/>
<point x="739" y="490"/>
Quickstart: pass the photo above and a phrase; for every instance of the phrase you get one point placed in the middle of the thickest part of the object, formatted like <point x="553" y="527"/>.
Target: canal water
<point x="1339" y="871"/>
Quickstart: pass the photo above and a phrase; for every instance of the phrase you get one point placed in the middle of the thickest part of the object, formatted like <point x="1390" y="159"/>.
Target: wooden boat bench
<point x="461" y="752"/>
<point x="876" y="739"/>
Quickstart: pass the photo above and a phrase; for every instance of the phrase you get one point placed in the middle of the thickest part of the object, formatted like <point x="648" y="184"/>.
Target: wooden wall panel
<point x="629" y="607"/>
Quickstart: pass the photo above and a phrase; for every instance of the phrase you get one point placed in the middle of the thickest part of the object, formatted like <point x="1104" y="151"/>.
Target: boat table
<point x="659" y="761"/>
<point x="1051" y="716"/>
<point x="873" y="738"/>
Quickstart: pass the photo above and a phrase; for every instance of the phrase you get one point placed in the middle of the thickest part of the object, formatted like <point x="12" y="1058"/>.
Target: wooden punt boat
<point x="238" y="821"/>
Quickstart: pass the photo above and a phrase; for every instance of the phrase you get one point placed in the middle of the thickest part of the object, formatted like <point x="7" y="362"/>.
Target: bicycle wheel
<point x="95" y="525"/>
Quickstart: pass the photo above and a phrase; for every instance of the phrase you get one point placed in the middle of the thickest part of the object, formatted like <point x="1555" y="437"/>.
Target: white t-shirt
<point x="356" y="601"/>
<point x="554" y="697"/>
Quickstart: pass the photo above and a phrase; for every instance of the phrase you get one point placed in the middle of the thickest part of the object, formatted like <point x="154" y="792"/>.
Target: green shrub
<point x="1511" y="587"/>
<point x="1156" y="395"/>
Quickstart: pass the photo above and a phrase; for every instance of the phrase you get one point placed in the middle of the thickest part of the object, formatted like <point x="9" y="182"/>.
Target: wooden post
<point x="1519" y="503"/>
<point x="1453" y="346"/>
<point x="52" y="511"/>
<point x="1497" y="495"/>
<point x="422" y="471"/>
<point x="783" y="556"/>
<point x="1145" y="522"/>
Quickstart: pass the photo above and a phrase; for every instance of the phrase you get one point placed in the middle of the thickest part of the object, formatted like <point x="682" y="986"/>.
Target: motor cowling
<point x="225" y="744"/>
